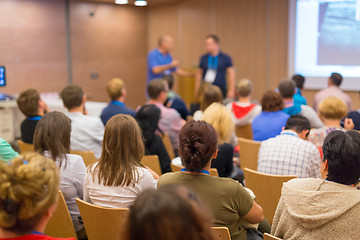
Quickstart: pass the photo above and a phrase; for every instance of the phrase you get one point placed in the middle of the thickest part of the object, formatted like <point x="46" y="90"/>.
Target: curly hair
<point x="272" y="101"/>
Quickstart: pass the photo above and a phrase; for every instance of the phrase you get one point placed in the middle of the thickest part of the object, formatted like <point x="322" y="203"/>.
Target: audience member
<point x="333" y="89"/>
<point x="148" y="118"/>
<point x="272" y="119"/>
<point x="290" y="153"/>
<point x="52" y="139"/>
<point x="244" y="111"/>
<point x="355" y="116"/>
<point x="118" y="177"/>
<point x="174" y="100"/>
<point x="210" y="95"/>
<point x="299" y="80"/>
<point x="226" y="198"/>
<point x="28" y="194"/>
<point x="117" y="93"/>
<point x="331" y="111"/>
<point x="7" y="153"/>
<point x="172" y="206"/>
<point x="287" y="90"/>
<point x="86" y="131"/>
<point x="170" y="120"/>
<point x="31" y="105"/>
<point x="220" y="118"/>
<point x="325" y="208"/>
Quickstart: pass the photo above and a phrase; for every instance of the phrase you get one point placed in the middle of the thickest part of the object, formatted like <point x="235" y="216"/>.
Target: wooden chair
<point x="152" y="161"/>
<point x="270" y="237"/>
<point x="249" y="151"/>
<point x="177" y="168"/>
<point x="88" y="156"/>
<point x="221" y="233"/>
<point x="267" y="189"/>
<point x="102" y="222"/>
<point x="244" y="131"/>
<point x="167" y="143"/>
<point x="25" y="147"/>
<point x="60" y="224"/>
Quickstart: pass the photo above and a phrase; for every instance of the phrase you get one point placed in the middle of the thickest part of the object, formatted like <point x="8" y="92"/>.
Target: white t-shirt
<point x="116" y="196"/>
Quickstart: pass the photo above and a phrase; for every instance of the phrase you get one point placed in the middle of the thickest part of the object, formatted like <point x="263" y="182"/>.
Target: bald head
<point x="166" y="43"/>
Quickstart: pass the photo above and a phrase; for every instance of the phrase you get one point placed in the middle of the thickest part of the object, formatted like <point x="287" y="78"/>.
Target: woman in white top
<point x="118" y="177"/>
<point x="52" y="139"/>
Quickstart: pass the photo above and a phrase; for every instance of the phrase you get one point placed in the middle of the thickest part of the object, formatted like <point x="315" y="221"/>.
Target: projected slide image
<point x="339" y="33"/>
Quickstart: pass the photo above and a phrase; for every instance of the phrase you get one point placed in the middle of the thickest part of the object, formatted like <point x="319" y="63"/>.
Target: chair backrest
<point x="244" y="131"/>
<point x="152" y="161"/>
<point x="270" y="237"/>
<point x="102" y="222"/>
<point x="267" y="189"/>
<point x="25" y="147"/>
<point x="177" y="168"/>
<point x="221" y="233"/>
<point x="60" y="224"/>
<point x="88" y="156"/>
<point x="167" y="143"/>
<point x="249" y="151"/>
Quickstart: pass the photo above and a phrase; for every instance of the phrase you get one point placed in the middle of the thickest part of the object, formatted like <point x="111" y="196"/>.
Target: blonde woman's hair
<point x="332" y="108"/>
<point x="28" y="188"/>
<point x="220" y="118"/>
<point x="115" y="88"/>
<point x="244" y="87"/>
<point x="123" y="149"/>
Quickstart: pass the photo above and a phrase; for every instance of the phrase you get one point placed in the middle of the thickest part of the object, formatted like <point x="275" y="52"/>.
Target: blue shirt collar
<point x="289" y="132"/>
<point x="118" y="103"/>
<point x="35" y="118"/>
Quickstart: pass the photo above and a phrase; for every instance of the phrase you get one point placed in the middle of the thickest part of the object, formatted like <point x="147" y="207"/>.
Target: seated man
<point x="86" y="131"/>
<point x="174" y="100"/>
<point x="244" y="111"/>
<point x="298" y="97"/>
<point x="326" y="208"/>
<point x="117" y="93"/>
<point x="333" y="90"/>
<point x="170" y="120"/>
<point x="31" y="105"/>
<point x="287" y="91"/>
<point x="289" y="153"/>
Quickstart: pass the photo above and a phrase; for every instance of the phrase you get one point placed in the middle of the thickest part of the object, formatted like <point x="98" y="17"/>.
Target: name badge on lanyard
<point x="212" y="69"/>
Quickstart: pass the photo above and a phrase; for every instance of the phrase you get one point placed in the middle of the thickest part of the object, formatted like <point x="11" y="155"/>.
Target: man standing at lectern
<point x="160" y="61"/>
<point x="214" y="67"/>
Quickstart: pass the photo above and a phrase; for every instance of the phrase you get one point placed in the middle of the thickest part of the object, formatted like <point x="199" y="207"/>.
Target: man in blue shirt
<point x="160" y="61"/>
<point x="213" y="68"/>
<point x="298" y="97"/>
<point x="117" y="93"/>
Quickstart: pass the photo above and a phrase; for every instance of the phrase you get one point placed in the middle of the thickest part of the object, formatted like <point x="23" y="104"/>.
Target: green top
<point x="7" y="153"/>
<point x="226" y="198"/>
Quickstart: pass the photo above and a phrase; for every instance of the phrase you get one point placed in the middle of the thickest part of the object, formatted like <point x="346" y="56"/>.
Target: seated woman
<point x="148" y="119"/>
<point x="272" y="119"/>
<point x="52" y="139"/>
<point x="210" y="95"/>
<point x="174" y="207"/>
<point x="7" y="153"/>
<point x="327" y="208"/>
<point x="220" y="118"/>
<point x="243" y="110"/>
<point x="331" y="111"/>
<point x="226" y="198"/>
<point x="29" y="188"/>
<point x="118" y="177"/>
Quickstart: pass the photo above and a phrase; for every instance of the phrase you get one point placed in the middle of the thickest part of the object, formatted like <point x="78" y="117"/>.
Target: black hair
<point x="297" y="123"/>
<point x="148" y="118"/>
<point x="299" y="80"/>
<point x="336" y="78"/>
<point x="342" y="152"/>
<point x="287" y="88"/>
<point x="214" y="37"/>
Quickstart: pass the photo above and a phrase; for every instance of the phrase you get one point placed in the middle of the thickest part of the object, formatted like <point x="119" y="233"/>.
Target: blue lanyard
<point x="37" y="233"/>
<point x="200" y="171"/>
<point x="213" y="62"/>
<point x="117" y="103"/>
<point x="292" y="134"/>
<point x="37" y="118"/>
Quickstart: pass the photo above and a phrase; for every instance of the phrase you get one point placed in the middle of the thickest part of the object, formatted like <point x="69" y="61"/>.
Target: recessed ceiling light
<point x="121" y="1"/>
<point x="140" y="3"/>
